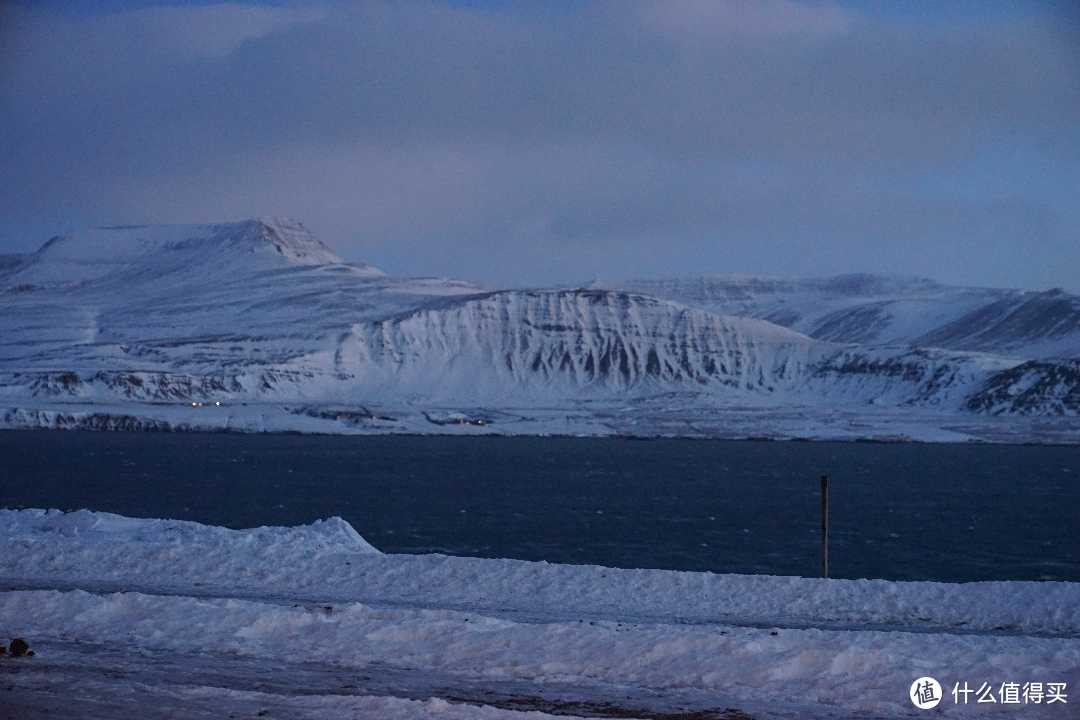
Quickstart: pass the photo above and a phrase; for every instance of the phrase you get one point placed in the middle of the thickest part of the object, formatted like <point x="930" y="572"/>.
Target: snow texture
<point x="300" y="607"/>
<point x="100" y="329"/>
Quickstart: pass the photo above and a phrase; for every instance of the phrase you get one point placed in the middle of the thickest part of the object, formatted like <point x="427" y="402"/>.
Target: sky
<point x="552" y="143"/>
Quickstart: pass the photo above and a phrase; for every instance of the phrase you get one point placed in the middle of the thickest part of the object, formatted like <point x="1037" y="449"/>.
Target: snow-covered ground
<point x="668" y="415"/>
<point x="161" y="618"/>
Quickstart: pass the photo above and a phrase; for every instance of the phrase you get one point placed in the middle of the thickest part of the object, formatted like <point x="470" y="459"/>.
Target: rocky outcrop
<point x="1032" y="388"/>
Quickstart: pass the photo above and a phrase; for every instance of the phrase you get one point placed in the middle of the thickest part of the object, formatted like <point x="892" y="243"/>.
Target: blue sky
<point x="523" y="143"/>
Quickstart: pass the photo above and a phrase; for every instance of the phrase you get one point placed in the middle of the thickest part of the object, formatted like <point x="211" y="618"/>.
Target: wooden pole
<point x="824" y="526"/>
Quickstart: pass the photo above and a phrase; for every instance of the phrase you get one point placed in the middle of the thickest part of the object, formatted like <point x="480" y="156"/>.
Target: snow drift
<point x="125" y="608"/>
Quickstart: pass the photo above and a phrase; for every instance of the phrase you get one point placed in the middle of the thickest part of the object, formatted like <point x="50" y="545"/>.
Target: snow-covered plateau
<point x="257" y="326"/>
<point x="164" y="618"/>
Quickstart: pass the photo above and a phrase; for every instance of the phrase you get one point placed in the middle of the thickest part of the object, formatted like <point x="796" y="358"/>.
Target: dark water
<point x="904" y="511"/>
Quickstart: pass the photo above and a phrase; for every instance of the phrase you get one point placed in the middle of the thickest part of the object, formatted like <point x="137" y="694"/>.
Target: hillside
<point x="262" y="312"/>
<point x="887" y="310"/>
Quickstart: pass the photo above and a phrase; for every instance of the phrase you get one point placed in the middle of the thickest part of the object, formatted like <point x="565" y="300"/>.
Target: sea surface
<point x="897" y="511"/>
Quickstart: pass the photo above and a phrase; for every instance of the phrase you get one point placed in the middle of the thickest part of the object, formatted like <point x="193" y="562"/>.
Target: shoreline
<point x="151" y="425"/>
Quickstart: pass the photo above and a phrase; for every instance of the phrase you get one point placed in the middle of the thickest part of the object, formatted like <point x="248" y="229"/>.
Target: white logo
<point x="925" y="693"/>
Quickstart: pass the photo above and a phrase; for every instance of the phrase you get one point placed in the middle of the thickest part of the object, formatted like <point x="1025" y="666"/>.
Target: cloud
<point x="697" y="20"/>
<point x="519" y="146"/>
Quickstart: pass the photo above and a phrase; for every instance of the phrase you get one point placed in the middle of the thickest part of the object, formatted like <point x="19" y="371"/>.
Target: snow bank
<point x="102" y="539"/>
<point x="209" y="599"/>
<point x="329" y="561"/>
<point x="851" y="672"/>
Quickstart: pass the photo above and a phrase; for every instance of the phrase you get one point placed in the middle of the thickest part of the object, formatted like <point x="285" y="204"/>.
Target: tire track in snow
<point x="111" y="671"/>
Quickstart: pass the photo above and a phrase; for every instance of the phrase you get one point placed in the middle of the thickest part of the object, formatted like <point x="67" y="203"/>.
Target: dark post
<point x="824" y="526"/>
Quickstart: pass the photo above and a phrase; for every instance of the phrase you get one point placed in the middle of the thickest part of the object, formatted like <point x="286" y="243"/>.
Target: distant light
<point x="194" y="404"/>
<point x="217" y="402"/>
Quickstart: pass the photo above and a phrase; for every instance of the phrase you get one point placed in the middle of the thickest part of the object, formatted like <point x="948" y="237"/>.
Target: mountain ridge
<point x="260" y="311"/>
<point x="880" y="309"/>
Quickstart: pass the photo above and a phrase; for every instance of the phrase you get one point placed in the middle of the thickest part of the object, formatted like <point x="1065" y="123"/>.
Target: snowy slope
<point x="260" y="311"/>
<point x="573" y="342"/>
<point x="888" y="310"/>
<point x="197" y="299"/>
<point x="283" y="620"/>
<point x="1035" y="325"/>
<point x="130" y="252"/>
<point x="1035" y="387"/>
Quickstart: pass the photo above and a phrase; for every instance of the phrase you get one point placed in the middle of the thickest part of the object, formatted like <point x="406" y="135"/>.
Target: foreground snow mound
<point x="329" y="561"/>
<point x="183" y="538"/>
<point x="836" y="674"/>
<point x="123" y="607"/>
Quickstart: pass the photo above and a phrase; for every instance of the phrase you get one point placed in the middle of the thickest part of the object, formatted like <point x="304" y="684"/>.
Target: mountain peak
<point x="113" y="244"/>
<point x="92" y="254"/>
<point x="293" y="241"/>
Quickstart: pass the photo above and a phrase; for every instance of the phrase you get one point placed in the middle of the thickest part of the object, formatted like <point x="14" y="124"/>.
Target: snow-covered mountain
<point x="886" y="310"/>
<point x="200" y="299"/>
<point x="574" y="342"/>
<point x="262" y="312"/>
